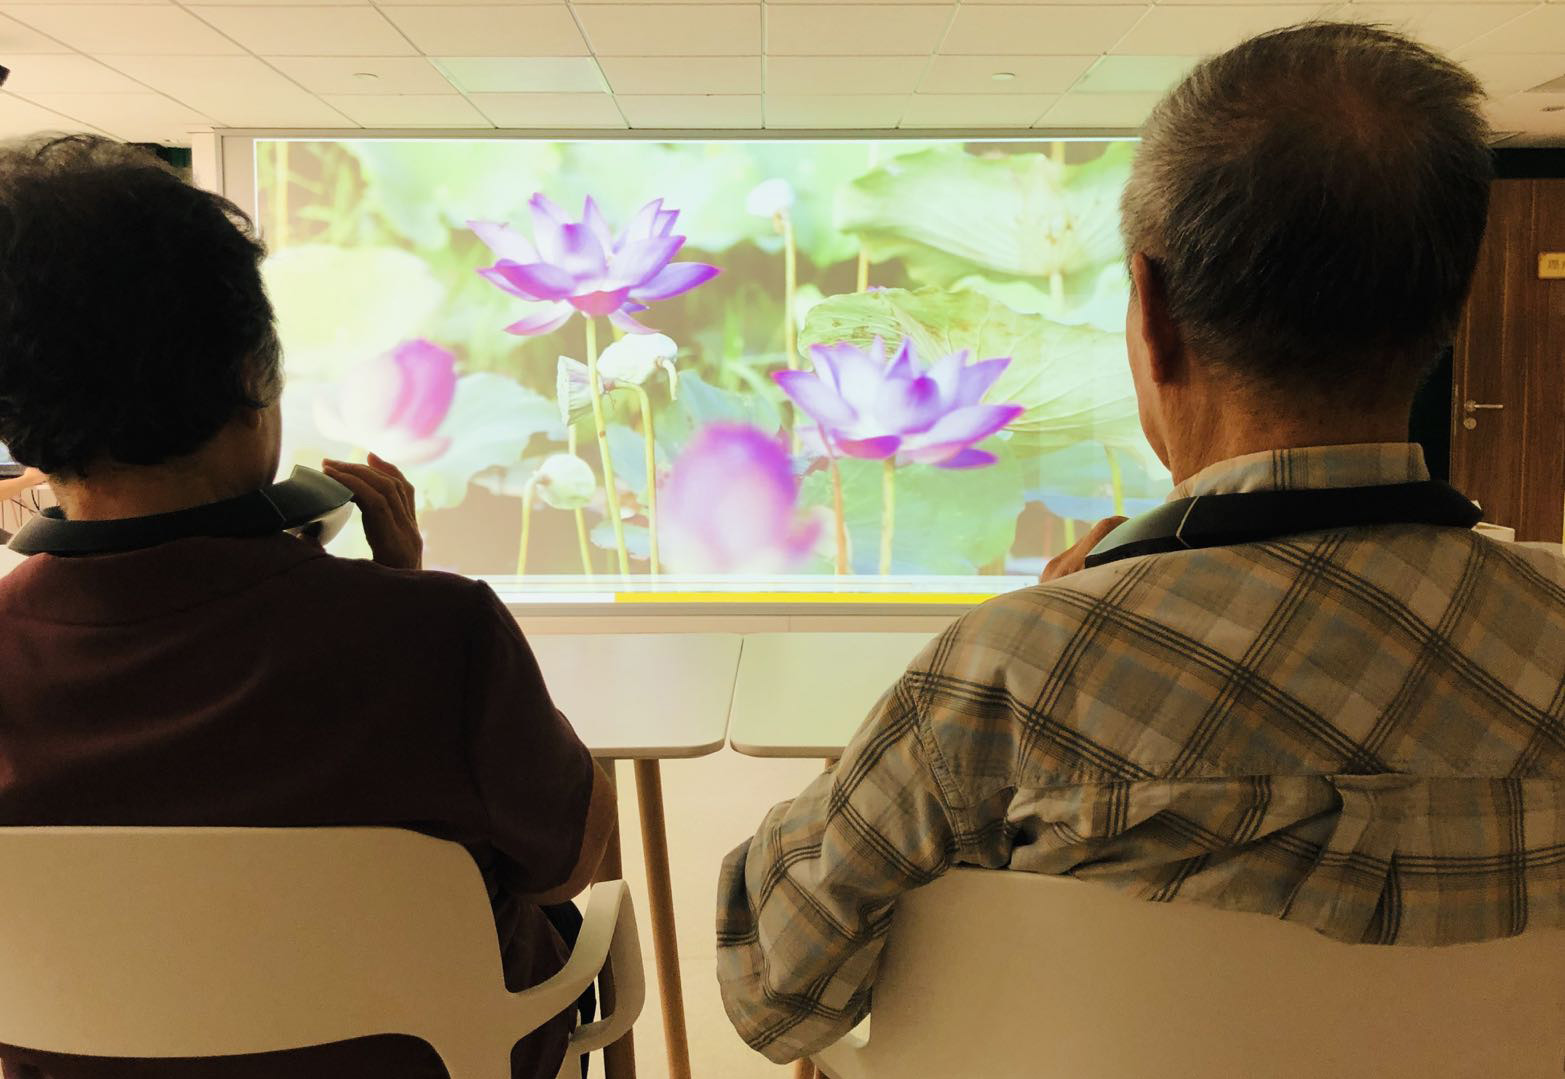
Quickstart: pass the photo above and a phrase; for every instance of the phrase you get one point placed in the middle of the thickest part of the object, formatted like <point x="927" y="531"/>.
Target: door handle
<point x="1474" y="406"/>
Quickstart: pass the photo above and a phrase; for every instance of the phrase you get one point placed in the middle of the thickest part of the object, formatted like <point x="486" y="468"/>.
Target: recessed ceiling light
<point x="367" y="76"/>
<point x="1003" y="76"/>
<point x="1552" y="108"/>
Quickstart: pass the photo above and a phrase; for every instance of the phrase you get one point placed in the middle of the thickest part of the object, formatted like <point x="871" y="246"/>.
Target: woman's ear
<point x="1153" y="324"/>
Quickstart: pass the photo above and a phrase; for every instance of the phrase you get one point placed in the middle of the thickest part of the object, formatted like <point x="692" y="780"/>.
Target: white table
<point x="646" y="698"/>
<point x="805" y="694"/>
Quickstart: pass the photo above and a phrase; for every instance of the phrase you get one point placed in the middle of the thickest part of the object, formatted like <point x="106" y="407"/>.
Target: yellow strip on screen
<point x="861" y="598"/>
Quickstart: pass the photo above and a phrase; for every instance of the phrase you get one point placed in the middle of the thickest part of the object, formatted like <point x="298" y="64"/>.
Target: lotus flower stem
<point x="790" y="287"/>
<point x="611" y="492"/>
<point x="863" y="277"/>
<point x="279" y="237"/>
<point x="842" y="522"/>
<point x="1116" y="483"/>
<point x="1057" y="289"/>
<point x="1070" y="533"/>
<point x="1057" y="151"/>
<point x="888" y="514"/>
<point x="580" y="514"/>
<point x="527" y="525"/>
<point x="649" y="437"/>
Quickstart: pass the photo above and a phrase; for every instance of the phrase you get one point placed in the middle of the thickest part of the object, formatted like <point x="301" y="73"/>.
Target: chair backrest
<point x="172" y="942"/>
<point x="1008" y="975"/>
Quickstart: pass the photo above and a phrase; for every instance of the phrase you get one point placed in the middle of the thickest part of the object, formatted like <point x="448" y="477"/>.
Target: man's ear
<point x="1160" y="334"/>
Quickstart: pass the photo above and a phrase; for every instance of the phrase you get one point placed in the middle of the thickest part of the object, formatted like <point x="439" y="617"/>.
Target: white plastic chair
<point x="182" y="942"/>
<point x="1006" y="975"/>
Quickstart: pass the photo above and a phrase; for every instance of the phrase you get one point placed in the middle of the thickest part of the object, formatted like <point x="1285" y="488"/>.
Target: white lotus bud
<point x="565" y="482"/>
<point x="636" y="357"/>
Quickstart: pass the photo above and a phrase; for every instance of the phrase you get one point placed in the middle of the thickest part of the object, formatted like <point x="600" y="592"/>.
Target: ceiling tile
<point x="408" y="110"/>
<point x="1099" y="110"/>
<point x="1524" y="112"/>
<point x="124" y="29"/>
<point x="144" y="117"/>
<point x="524" y="74"/>
<point x="1540" y="30"/>
<point x="1196" y="30"/>
<point x="18" y="118"/>
<point x="672" y="29"/>
<point x="317" y="31"/>
<point x="902" y="3"/>
<point x="235" y="91"/>
<point x="804" y="111"/>
<point x="17" y="40"/>
<point x="682" y="74"/>
<point x="66" y="74"/>
<point x="525" y="30"/>
<point x="1502" y="75"/>
<point x="844" y="74"/>
<point x="1442" y="26"/>
<point x="351" y="74"/>
<point x="855" y="29"/>
<point x="550" y="110"/>
<point x="1134" y="74"/>
<point x="271" y="3"/>
<point x="691" y="111"/>
<point x="975" y="110"/>
<point x="1047" y="30"/>
<point x="975" y="74"/>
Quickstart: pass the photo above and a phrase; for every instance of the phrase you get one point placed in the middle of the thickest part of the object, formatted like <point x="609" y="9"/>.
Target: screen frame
<point x="224" y="162"/>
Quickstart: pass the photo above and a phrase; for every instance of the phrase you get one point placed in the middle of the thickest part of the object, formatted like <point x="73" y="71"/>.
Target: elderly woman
<point x="180" y="674"/>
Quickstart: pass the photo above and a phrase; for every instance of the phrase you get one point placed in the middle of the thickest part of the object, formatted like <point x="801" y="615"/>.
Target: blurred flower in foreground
<point x="730" y="505"/>
<point x="393" y="404"/>
<point x="633" y="360"/>
<point x="572" y="266"/>
<point x="870" y="408"/>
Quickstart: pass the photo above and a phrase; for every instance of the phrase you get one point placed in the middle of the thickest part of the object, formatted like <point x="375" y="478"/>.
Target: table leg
<point x="619" y="1059"/>
<point x="660" y="898"/>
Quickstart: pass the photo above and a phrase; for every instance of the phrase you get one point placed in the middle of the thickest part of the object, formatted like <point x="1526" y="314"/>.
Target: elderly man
<point x="1344" y="723"/>
<point x="160" y="667"/>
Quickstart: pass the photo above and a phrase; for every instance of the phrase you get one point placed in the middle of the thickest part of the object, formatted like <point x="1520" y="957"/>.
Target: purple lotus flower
<point x="730" y="505"/>
<point x="583" y="266"/>
<point x="394" y="404"/>
<point x="869" y="408"/>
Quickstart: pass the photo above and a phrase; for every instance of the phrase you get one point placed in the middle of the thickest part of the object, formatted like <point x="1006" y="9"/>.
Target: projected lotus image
<point x="728" y="367"/>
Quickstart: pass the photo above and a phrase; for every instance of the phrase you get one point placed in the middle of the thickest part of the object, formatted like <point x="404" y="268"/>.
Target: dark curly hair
<point x="133" y="320"/>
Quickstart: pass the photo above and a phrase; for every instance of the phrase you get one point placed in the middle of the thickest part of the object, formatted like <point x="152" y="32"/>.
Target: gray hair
<point x="1313" y="200"/>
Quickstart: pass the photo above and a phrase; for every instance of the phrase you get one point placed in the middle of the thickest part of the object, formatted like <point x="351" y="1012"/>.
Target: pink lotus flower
<point x="730" y="505"/>
<point x="394" y="404"/>
<point x="869" y="408"/>
<point x="583" y="266"/>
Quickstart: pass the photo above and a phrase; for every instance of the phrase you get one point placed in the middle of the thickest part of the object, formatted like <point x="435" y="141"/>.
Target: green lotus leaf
<point x="490" y="423"/>
<point x="1073" y="381"/>
<point x="950" y="214"/>
<point x="928" y="537"/>
<point x="425" y="195"/>
<point x="339" y="306"/>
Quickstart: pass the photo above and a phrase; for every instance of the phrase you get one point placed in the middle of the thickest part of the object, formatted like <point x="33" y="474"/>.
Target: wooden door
<point x="1510" y="352"/>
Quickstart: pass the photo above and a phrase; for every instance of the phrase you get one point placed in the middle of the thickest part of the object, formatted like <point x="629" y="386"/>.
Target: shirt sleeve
<point x="804" y="906"/>
<point x="533" y="774"/>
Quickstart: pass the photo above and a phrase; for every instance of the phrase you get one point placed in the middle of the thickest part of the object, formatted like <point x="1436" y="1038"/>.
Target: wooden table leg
<point x="660" y="898"/>
<point x="619" y="1059"/>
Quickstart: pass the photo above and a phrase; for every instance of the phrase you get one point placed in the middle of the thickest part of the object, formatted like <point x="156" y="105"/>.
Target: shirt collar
<point x="1304" y="468"/>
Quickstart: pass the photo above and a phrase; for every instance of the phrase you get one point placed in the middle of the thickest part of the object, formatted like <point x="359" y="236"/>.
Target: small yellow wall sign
<point x="1551" y="264"/>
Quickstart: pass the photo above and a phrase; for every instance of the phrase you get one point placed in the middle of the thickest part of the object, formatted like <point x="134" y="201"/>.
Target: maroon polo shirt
<point x="263" y="682"/>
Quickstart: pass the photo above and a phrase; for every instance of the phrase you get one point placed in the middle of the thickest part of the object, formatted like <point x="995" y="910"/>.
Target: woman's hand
<point x="385" y="498"/>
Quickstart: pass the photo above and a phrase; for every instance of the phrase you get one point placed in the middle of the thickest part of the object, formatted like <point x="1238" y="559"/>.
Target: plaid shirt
<point x="1359" y="730"/>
